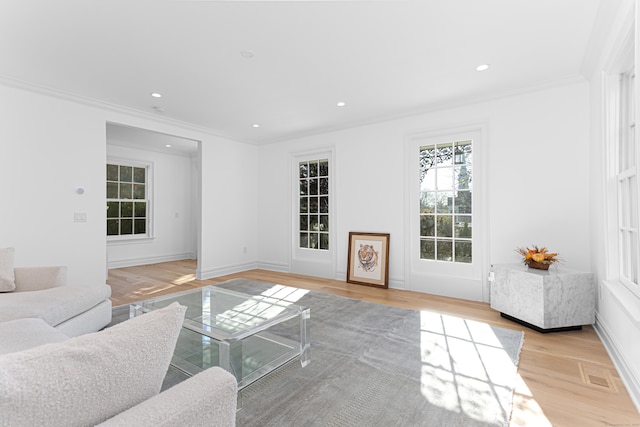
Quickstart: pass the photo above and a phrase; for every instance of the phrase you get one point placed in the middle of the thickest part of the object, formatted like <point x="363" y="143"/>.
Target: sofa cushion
<point x="23" y="334"/>
<point x="88" y="379"/>
<point x="54" y="305"/>
<point x="7" y="277"/>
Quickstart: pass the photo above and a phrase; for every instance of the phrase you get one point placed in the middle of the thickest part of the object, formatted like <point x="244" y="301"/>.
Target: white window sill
<point x="113" y="241"/>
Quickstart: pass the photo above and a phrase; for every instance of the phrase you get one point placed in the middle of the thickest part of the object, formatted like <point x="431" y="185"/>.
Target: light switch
<point x="79" y="217"/>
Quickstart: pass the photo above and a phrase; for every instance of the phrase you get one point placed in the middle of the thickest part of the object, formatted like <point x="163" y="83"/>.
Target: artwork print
<point x="368" y="259"/>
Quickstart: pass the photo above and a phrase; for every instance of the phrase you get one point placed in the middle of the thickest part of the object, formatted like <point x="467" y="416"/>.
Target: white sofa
<point x="107" y="378"/>
<point x="43" y="292"/>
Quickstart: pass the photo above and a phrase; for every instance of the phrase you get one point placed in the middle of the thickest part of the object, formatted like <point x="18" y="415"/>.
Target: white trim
<point x="320" y="263"/>
<point x="459" y="276"/>
<point x="630" y="381"/>
<point x="224" y="270"/>
<point x="150" y="192"/>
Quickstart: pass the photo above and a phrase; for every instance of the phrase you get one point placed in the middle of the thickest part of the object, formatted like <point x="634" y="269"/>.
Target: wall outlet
<point x="492" y="276"/>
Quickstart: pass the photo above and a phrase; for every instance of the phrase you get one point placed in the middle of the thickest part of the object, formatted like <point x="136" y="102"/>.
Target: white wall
<point x="51" y="143"/>
<point x="172" y="206"/>
<point x="48" y="148"/>
<point x="618" y="311"/>
<point x="537" y="182"/>
<point x="229" y="207"/>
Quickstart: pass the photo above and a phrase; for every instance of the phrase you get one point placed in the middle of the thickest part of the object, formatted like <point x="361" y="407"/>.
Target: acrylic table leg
<point x="305" y="338"/>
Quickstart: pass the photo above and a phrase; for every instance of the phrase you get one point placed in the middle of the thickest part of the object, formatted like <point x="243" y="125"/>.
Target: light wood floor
<point x="565" y="379"/>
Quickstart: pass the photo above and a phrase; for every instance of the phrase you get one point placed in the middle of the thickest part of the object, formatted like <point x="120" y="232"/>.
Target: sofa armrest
<point x="38" y="278"/>
<point x="206" y="399"/>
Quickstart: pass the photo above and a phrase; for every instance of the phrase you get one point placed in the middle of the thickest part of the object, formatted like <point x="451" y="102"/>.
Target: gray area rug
<point x="376" y="365"/>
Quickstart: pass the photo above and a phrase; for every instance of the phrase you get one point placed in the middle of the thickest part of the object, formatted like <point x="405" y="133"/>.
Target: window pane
<point x="313" y="187"/>
<point x="304" y="170"/>
<point x="126" y="173"/>
<point x="463" y="251"/>
<point x="427" y="225"/>
<point x="463" y="153"/>
<point x="444" y="179"/>
<point x="463" y="202"/>
<point x="324" y="241"/>
<point x="445" y="250"/>
<point x="304" y="223"/>
<point x="140" y="209"/>
<point x="304" y="240"/>
<point x="139" y="175"/>
<point x="427" y="202"/>
<point x="140" y="226"/>
<point x="444" y="226"/>
<point x="112" y="173"/>
<point x="304" y="204"/>
<point x="313" y="204"/>
<point x="324" y="186"/>
<point x="304" y="188"/>
<point x="112" y="190"/>
<point x="427" y="249"/>
<point x="112" y="227"/>
<point x="313" y="240"/>
<point x="138" y="191"/>
<point x="324" y="168"/>
<point x="126" y="209"/>
<point x="113" y="209"/>
<point x="324" y="222"/>
<point x="313" y="222"/>
<point x="463" y="178"/>
<point x="324" y="204"/>
<point x="126" y="226"/>
<point x="428" y="181"/>
<point x="462" y="227"/>
<point x="313" y="169"/>
<point x="444" y="154"/>
<point x="126" y="191"/>
<point x="444" y="202"/>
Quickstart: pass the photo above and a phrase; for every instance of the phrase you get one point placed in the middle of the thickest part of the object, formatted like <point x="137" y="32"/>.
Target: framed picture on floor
<point x="368" y="262"/>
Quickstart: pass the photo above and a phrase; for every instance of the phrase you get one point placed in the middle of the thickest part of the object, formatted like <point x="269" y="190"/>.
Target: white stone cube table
<point x="547" y="301"/>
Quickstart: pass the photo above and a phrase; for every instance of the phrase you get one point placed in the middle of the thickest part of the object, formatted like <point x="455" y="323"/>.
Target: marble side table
<point x="548" y="301"/>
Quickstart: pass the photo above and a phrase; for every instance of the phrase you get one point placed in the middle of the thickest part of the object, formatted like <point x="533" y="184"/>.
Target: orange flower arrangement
<point x="539" y="258"/>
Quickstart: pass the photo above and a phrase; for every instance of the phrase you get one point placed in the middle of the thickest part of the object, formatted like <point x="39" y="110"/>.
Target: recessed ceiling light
<point x="483" y="67"/>
<point x="341" y="104"/>
<point x="247" y="54"/>
<point x="168" y="145"/>
<point x="256" y="125"/>
<point x="156" y="95"/>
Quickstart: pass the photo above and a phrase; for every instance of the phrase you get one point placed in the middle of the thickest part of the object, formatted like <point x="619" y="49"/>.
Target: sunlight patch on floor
<point x="184" y="279"/>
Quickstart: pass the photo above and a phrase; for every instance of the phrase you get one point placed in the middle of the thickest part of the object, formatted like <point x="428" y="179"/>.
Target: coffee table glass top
<point x="249" y="336"/>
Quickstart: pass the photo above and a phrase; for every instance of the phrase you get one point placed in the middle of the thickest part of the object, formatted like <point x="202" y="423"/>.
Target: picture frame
<point x="368" y="259"/>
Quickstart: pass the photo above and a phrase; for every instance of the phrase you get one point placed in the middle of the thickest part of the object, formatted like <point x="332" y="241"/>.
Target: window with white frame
<point x="627" y="183"/>
<point x="446" y="214"/>
<point x="127" y="200"/>
<point x="621" y="164"/>
<point x="313" y="212"/>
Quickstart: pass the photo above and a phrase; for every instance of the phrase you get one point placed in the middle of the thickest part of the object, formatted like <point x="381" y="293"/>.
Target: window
<point x="313" y="212"/>
<point x="127" y="200"/>
<point x="627" y="183"/>
<point x="446" y="217"/>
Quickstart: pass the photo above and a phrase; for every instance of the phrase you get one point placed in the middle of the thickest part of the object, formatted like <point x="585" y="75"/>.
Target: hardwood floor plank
<point x="551" y="389"/>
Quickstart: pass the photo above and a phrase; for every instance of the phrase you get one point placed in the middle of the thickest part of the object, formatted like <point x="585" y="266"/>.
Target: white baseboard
<point x="271" y="266"/>
<point x="132" y="262"/>
<point x="223" y="271"/>
<point x="626" y="374"/>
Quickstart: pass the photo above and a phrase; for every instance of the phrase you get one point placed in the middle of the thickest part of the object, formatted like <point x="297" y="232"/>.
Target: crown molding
<point x="96" y="103"/>
<point x="436" y="107"/>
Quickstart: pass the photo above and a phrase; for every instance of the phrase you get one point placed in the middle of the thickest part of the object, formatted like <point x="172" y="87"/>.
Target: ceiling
<point x="227" y="65"/>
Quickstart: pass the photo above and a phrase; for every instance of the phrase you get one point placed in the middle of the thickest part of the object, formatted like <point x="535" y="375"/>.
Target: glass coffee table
<point x="247" y="335"/>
